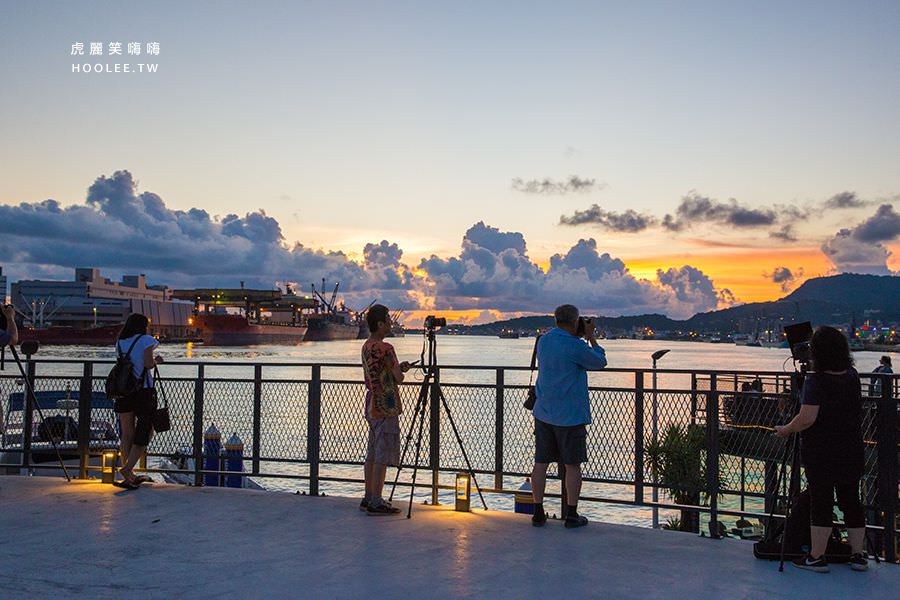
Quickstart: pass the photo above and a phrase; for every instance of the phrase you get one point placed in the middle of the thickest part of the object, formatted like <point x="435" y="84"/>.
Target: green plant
<point x="677" y="459"/>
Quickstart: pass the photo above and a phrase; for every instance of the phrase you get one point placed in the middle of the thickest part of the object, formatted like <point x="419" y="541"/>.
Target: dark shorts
<point x="143" y="402"/>
<point x="143" y="405"/>
<point x="557" y="443"/>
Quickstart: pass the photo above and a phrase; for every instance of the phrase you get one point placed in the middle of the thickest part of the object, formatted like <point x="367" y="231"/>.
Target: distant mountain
<point x="822" y="300"/>
<point x="836" y="299"/>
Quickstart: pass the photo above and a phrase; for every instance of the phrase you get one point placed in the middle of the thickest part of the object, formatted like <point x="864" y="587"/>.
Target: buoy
<point x="212" y="446"/>
<point x="234" y="461"/>
<point x="524" y="498"/>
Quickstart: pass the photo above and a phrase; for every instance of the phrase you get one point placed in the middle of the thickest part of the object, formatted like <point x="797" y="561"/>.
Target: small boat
<point x="509" y="334"/>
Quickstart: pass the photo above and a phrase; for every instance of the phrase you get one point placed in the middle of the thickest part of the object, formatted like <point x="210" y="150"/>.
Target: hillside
<point x="836" y="299"/>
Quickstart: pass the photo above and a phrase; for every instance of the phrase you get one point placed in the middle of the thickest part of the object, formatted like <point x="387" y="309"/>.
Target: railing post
<point x="498" y="433"/>
<point x="712" y="455"/>
<point x="257" y="416"/>
<point x="84" y="419"/>
<point x="693" y="398"/>
<point x="28" y="399"/>
<point x="198" y="426"/>
<point x="639" y="437"/>
<point x="434" y="434"/>
<point x="314" y="428"/>
<point x="886" y="436"/>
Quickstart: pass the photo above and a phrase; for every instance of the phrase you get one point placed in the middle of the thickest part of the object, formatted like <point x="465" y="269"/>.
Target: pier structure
<point x="302" y="423"/>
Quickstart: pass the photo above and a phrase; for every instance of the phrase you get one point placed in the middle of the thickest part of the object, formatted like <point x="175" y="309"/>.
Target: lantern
<point x="463" y="491"/>
<point x="108" y="467"/>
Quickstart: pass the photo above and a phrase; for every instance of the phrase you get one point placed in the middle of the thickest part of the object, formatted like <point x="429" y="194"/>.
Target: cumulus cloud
<point x="629" y="221"/>
<point x="506" y="279"/>
<point x="693" y="287"/>
<point x="784" y="277"/>
<point x="120" y="229"/>
<point x="861" y="249"/>
<point x="551" y="187"/>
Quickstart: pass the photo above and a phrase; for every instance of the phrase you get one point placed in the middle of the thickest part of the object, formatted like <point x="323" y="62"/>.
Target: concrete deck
<point x="91" y="540"/>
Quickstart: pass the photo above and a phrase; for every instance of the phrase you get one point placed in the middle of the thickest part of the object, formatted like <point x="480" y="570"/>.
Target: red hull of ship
<point x="235" y="330"/>
<point x="70" y="336"/>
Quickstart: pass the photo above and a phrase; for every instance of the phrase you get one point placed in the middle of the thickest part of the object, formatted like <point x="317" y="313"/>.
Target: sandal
<point x="141" y="479"/>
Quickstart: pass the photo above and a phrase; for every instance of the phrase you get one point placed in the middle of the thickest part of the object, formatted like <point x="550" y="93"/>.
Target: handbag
<point x="531" y="397"/>
<point x="161" y="420"/>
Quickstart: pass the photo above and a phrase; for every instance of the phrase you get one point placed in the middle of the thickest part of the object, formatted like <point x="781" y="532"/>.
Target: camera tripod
<point x="432" y="385"/>
<point x="29" y="349"/>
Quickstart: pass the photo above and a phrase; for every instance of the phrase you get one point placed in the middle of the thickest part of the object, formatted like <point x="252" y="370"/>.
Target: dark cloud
<point x="784" y="277"/>
<point x="883" y="226"/>
<point x="861" y="249"/>
<point x="629" y="221"/>
<point x="692" y="286"/>
<point x="122" y="230"/>
<point x="552" y="187"/>
<point x="844" y="200"/>
<point x="785" y="234"/>
<point x="695" y="209"/>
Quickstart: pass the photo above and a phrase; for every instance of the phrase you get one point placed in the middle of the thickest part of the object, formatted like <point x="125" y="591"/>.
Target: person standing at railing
<point x="136" y="411"/>
<point x="562" y="409"/>
<point x="884" y="367"/>
<point x="831" y="446"/>
<point x="383" y="374"/>
<point x="9" y="333"/>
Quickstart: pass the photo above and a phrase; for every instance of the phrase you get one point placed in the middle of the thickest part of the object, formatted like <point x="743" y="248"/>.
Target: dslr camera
<point x="581" y="327"/>
<point x="432" y="322"/>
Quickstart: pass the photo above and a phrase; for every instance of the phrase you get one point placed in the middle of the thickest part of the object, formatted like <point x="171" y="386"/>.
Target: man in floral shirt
<point x="383" y="374"/>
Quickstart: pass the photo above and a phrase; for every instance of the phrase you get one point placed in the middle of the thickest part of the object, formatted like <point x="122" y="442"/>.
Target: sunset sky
<point x="718" y="152"/>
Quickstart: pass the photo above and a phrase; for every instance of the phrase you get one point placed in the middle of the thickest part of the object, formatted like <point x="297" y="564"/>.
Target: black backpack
<point x="121" y="381"/>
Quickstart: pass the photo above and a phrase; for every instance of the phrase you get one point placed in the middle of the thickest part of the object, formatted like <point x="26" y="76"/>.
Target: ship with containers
<point x="90" y="309"/>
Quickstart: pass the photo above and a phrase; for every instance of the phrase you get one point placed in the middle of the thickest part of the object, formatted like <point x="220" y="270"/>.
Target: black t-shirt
<point x="834" y="442"/>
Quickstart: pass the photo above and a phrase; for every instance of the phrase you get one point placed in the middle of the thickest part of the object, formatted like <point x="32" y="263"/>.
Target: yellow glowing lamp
<point x="463" y="491"/>
<point x="108" y="467"/>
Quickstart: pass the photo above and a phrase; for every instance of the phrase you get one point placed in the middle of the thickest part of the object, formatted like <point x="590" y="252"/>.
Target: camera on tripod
<point x="433" y="322"/>
<point x="799" y="337"/>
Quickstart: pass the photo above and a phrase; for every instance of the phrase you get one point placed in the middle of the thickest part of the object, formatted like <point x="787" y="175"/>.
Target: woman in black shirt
<point x="831" y="445"/>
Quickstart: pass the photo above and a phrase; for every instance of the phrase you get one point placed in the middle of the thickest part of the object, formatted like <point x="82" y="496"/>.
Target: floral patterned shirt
<point x="379" y="360"/>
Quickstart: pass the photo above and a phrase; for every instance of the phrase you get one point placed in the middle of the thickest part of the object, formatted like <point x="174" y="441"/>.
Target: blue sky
<point x="351" y="122"/>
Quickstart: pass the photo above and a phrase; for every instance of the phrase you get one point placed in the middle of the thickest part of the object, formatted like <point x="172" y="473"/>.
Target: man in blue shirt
<point x="9" y="335"/>
<point x="562" y="409"/>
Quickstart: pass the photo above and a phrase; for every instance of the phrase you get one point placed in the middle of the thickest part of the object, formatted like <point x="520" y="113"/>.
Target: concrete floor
<point x="91" y="540"/>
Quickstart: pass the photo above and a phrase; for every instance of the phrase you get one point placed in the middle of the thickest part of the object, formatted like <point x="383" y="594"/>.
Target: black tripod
<point x="30" y="348"/>
<point x="429" y="383"/>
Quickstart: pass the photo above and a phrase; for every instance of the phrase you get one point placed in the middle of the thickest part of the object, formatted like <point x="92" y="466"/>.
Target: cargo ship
<point x="256" y="317"/>
<point x="331" y="321"/>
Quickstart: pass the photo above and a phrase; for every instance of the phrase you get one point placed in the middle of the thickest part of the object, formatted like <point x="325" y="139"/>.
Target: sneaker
<point x="382" y="508"/>
<point x="576" y="521"/>
<point x="538" y="520"/>
<point x="363" y="504"/>
<point x="859" y="562"/>
<point x="811" y="564"/>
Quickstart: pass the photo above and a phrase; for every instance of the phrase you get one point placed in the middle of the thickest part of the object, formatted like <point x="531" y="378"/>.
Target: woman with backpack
<point x="136" y="410"/>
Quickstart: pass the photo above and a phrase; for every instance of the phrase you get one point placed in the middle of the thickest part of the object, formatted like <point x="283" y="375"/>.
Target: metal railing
<point x="298" y="419"/>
